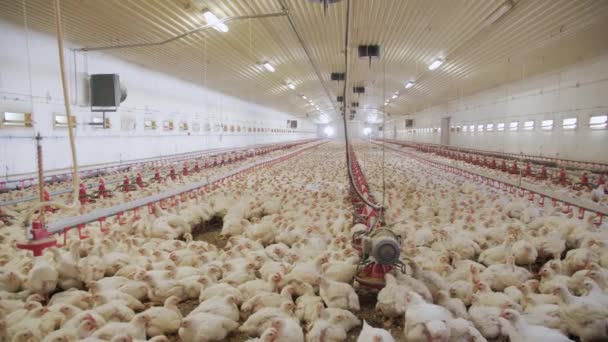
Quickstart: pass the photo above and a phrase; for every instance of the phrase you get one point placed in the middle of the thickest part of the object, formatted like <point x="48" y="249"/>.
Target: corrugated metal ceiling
<point x="534" y="36"/>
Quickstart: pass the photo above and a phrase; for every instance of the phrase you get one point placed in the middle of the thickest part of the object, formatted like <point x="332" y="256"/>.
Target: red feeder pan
<point x="372" y="275"/>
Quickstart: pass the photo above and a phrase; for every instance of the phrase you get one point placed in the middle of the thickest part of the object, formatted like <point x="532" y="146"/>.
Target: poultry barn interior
<point x="303" y="170"/>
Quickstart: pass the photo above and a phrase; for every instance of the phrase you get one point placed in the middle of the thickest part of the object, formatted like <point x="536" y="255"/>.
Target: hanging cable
<point x="382" y="135"/>
<point x="345" y="98"/>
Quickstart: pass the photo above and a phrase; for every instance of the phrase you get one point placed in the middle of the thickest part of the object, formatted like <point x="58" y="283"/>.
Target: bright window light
<point x="489" y="127"/>
<point x="149" y="124"/>
<point x="213" y="20"/>
<point x="513" y="125"/>
<point x="268" y="67"/>
<point x="465" y="128"/>
<point x="329" y="131"/>
<point x="546" y="125"/>
<point x="12" y="119"/>
<point x="569" y="123"/>
<point x="598" y="121"/>
<point x="472" y="128"/>
<point x="367" y="131"/>
<point x="409" y="84"/>
<point x="500" y="126"/>
<point x="436" y="64"/>
<point x="479" y="128"/>
<point x="457" y="129"/>
<point x="529" y="125"/>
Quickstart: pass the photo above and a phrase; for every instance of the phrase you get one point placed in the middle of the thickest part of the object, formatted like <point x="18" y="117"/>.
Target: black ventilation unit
<point x="338" y="76"/>
<point x="359" y="90"/>
<point x="354" y="104"/>
<point x="352" y="111"/>
<point x="340" y="98"/>
<point x="106" y="92"/>
<point x="369" y="51"/>
<point x="293" y="124"/>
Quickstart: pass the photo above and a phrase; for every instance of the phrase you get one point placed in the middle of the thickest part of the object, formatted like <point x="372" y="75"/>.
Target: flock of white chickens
<point x="482" y="265"/>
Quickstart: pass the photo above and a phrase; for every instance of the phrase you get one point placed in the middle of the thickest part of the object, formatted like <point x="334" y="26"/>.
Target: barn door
<point x="445" y="131"/>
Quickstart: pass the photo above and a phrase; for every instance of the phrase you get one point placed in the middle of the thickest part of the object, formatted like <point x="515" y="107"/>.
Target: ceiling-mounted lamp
<point x="304" y="97"/>
<point x="409" y="84"/>
<point x="291" y="86"/>
<point x="268" y="67"/>
<point x="214" y="21"/>
<point x="499" y="13"/>
<point x="436" y="63"/>
<point x="396" y="95"/>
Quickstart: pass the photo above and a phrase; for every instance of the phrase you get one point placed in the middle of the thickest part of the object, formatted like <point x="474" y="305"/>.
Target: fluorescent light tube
<point x="268" y="67"/>
<point x="213" y="20"/>
<point x="436" y="64"/>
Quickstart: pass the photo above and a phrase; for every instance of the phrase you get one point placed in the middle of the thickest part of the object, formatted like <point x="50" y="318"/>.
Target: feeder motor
<point x="382" y="245"/>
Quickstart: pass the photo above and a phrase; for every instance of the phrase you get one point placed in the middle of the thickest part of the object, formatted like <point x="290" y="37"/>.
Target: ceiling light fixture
<point x="409" y="84"/>
<point x="436" y="64"/>
<point x="304" y="97"/>
<point x="213" y="20"/>
<point x="268" y="67"/>
<point x="395" y="96"/>
<point x="291" y="86"/>
<point x="499" y="13"/>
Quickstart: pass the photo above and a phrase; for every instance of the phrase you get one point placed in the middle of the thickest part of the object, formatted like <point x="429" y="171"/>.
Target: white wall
<point x="580" y="90"/>
<point x="30" y="82"/>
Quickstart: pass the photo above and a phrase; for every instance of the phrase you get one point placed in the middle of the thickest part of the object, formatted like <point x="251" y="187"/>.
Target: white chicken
<point x="338" y="295"/>
<point x="43" y="277"/>
<point x="371" y="334"/>
<point x="164" y="320"/>
<point x="518" y="330"/>
<point x="206" y="327"/>
<point x="136" y="328"/>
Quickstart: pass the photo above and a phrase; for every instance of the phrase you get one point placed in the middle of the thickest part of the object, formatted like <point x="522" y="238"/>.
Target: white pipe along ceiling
<point x="477" y="44"/>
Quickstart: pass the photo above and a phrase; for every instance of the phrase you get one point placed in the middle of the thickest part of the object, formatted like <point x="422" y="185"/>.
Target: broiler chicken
<point x="338" y="295"/>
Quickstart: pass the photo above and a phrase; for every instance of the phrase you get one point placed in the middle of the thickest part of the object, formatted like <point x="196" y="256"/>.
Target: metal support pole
<point x="40" y="173"/>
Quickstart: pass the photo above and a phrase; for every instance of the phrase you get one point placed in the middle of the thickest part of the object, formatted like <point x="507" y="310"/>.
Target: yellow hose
<point x="66" y="102"/>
